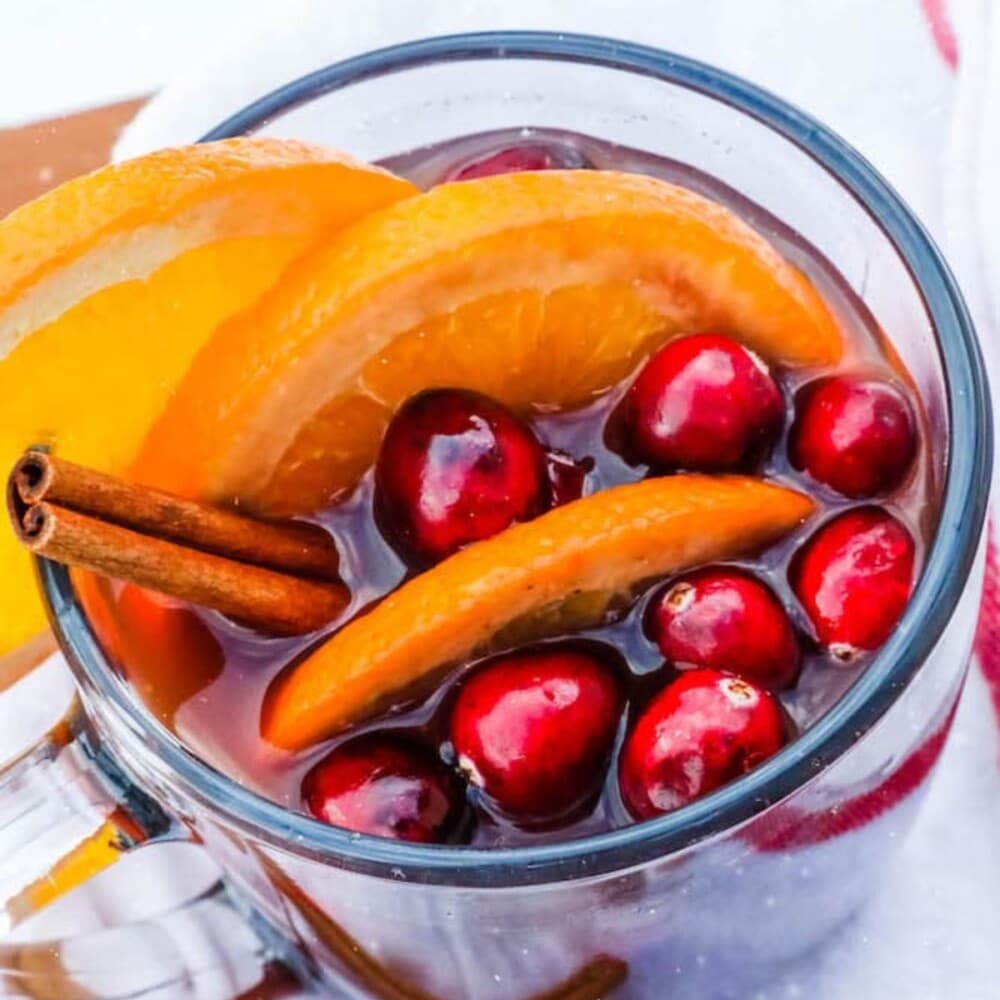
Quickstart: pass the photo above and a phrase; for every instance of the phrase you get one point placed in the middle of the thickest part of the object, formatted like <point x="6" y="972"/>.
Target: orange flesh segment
<point x="126" y="220"/>
<point x="604" y="544"/>
<point x="542" y="289"/>
<point x="111" y="283"/>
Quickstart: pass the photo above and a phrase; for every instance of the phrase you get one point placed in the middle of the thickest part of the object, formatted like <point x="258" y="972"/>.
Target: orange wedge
<point x="110" y="284"/>
<point x="164" y="649"/>
<point x="540" y="289"/>
<point x="605" y="545"/>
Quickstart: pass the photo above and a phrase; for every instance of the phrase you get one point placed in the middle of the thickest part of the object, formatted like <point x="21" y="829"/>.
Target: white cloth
<point x="879" y="74"/>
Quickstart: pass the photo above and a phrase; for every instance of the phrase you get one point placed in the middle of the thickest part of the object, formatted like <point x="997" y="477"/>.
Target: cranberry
<point x="856" y="435"/>
<point x="853" y="577"/>
<point x="727" y="620"/>
<point x="382" y="786"/>
<point x="702" y="731"/>
<point x="456" y="467"/>
<point x="705" y="403"/>
<point x="534" y="730"/>
<point x="516" y="159"/>
<point x="567" y="478"/>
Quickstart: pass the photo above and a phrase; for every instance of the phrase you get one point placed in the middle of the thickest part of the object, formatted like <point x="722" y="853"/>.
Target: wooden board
<point x="36" y="157"/>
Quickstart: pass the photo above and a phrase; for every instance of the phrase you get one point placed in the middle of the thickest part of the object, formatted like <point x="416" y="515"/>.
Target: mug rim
<point x="949" y="560"/>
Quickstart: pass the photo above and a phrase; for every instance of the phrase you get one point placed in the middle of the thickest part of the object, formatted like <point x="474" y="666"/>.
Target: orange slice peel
<point x="110" y="283"/>
<point x="125" y="221"/>
<point x="539" y="289"/>
<point x="600" y="546"/>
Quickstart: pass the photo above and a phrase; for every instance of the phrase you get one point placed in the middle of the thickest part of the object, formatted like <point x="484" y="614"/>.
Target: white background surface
<point x="64" y="55"/>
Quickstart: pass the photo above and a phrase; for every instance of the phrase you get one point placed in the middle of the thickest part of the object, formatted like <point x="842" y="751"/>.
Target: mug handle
<point x="69" y="812"/>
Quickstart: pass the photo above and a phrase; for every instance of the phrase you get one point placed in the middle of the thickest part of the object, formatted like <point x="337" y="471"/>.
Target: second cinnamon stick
<point x="274" y="602"/>
<point x="288" y="547"/>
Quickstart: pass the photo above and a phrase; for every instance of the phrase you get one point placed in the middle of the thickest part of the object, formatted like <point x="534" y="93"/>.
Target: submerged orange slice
<point x="603" y="545"/>
<point x="540" y="289"/>
<point x="110" y="283"/>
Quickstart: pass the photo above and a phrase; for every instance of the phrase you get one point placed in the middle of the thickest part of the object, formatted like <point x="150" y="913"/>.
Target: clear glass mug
<point x="700" y="901"/>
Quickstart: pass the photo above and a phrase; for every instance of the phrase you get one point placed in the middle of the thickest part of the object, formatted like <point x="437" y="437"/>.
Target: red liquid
<point x="218" y="707"/>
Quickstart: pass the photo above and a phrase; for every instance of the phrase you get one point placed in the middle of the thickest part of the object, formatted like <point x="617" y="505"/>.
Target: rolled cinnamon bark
<point x="288" y="547"/>
<point x="271" y="601"/>
<point x="598" y="979"/>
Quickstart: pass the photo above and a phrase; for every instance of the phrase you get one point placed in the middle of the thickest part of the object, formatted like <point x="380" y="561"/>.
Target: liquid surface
<point x="222" y="684"/>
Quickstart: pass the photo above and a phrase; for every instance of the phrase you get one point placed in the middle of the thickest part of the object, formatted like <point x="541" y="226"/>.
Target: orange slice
<point x="605" y="544"/>
<point x="540" y="289"/>
<point x="164" y="649"/>
<point x="110" y="284"/>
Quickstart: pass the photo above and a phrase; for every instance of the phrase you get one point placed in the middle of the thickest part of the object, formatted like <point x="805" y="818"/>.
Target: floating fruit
<point x="854" y="577"/>
<point x="534" y="730"/>
<point x="514" y="159"/>
<point x="703" y="403"/>
<point x="567" y="476"/>
<point x="725" y="619"/>
<point x="856" y="435"/>
<point x="585" y="553"/>
<point x="385" y="787"/>
<point x="456" y="467"/>
<point x="537" y="289"/>
<point x="162" y="646"/>
<point x="110" y="283"/>
<point x="703" y="730"/>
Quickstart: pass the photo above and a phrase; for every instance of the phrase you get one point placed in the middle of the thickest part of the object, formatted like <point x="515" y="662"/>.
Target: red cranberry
<point x="726" y="620"/>
<point x="567" y="478"/>
<point x="853" y="577"/>
<point x="856" y="435"/>
<point x="705" y="403"/>
<point x="378" y="785"/>
<point x="456" y="467"/>
<point x="702" y="731"/>
<point x="534" y="730"/>
<point x="516" y="159"/>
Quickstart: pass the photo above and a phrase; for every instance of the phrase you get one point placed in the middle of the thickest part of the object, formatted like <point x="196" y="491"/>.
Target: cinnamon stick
<point x="596" y="980"/>
<point x="289" y="547"/>
<point x="278" y="577"/>
<point x="275" y="602"/>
